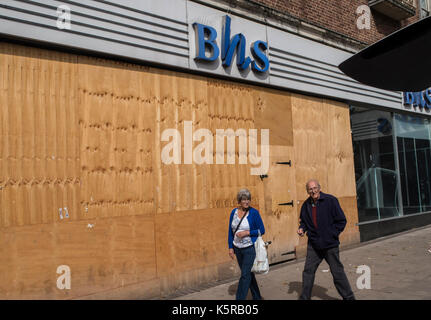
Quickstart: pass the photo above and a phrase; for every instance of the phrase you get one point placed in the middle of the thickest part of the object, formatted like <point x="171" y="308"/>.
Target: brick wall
<point x="336" y="15"/>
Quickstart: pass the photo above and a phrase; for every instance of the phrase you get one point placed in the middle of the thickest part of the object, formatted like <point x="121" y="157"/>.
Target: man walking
<point x="323" y="220"/>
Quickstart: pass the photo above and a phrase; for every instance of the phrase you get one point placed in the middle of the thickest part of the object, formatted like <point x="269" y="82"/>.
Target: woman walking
<point x="245" y="225"/>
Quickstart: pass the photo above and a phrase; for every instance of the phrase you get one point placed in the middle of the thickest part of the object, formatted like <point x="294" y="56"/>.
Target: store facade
<point x="392" y="156"/>
<point x="112" y="162"/>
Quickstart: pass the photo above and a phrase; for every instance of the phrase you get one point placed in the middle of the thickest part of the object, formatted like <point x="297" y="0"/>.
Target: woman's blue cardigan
<point x="255" y="222"/>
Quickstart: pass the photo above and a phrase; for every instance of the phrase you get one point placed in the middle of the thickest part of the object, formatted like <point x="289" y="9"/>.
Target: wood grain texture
<point x="273" y="111"/>
<point x="340" y="154"/>
<point x="323" y="151"/>
<point x="280" y="220"/>
<point x="39" y="146"/>
<point x="84" y="133"/>
<point x="113" y="253"/>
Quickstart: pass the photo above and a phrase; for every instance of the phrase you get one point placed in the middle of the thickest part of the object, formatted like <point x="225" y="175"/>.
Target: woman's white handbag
<point x="260" y="264"/>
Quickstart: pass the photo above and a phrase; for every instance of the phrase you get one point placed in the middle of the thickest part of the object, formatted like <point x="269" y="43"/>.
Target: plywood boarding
<point x="340" y="164"/>
<point x="85" y="134"/>
<point x="106" y="119"/>
<point x="323" y="144"/>
<point x="117" y="133"/>
<point x="323" y="150"/>
<point x="350" y="234"/>
<point x="40" y="148"/>
<point x="273" y="111"/>
<point x="112" y="253"/>
<point x="280" y="220"/>
<point x="183" y="103"/>
<point x="231" y="106"/>
<point x="311" y="141"/>
<point x="202" y="241"/>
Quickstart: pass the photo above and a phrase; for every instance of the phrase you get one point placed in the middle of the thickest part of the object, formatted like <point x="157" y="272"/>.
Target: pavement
<point x="399" y="268"/>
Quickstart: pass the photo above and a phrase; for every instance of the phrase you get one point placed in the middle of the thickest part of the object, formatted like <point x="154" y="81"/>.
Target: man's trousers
<point x="312" y="262"/>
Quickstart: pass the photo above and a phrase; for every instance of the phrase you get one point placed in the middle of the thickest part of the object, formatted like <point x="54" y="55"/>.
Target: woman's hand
<point x="243" y="234"/>
<point x="231" y="253"/>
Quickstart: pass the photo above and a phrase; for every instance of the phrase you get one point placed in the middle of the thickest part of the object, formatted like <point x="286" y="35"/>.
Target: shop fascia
<point x="206" y="42"/>
<point x="421" y="99"/>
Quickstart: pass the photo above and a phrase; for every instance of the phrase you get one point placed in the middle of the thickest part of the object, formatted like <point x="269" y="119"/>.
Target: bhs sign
<point x="418" y="99"/>
<point x="206" y="42"/>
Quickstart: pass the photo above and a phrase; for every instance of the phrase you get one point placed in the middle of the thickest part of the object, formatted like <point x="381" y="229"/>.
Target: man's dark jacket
<point x="331" y="221"/>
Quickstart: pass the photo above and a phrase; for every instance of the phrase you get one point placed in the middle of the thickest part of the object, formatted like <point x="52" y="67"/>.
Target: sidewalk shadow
<point x="295" y="286"/>
<point x="317" y="291"/>
<point x="232" y="291"/>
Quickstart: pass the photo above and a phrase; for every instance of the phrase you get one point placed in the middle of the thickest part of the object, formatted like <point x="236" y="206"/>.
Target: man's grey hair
<point x="243" y="193"/>
<point x="312" y="180"/>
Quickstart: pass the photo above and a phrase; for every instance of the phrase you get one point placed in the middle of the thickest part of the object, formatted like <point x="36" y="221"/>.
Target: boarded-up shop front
<point x="83" y="182"/>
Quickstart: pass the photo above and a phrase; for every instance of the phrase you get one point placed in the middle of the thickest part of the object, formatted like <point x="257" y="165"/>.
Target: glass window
<point x="414" y="154"/>
<point x="392" y="158"/>
<point x="374" y="160"/>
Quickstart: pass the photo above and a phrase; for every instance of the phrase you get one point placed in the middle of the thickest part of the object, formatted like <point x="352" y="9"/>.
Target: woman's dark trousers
<point x="245" y="258"/>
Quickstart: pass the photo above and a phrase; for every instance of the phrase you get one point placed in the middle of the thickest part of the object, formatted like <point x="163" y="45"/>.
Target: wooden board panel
<point x="112" y="253"/>
<point x="183" y="105"/>
<point x="311" y="141"/>
<point x="273" y="111"/>
<point x="117" y="123"/>
<point x="323" y="151"/>
<point x="122" y="251"/>
<point x="323" y="144"/>
<point x="31" y="269"/>
<point x="5" y="52"/>
<point x="280" y="221"/>
<point x="350" y="234"/>
<point x="189" y="240"/>
<point x="340" y="154"/>
<point x="85" y="133"/>
<point x="231" y="106"/>
<point x="39" y="130"/>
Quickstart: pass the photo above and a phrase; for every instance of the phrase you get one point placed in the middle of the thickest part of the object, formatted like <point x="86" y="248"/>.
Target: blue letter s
<point x="257" y="50"/>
